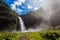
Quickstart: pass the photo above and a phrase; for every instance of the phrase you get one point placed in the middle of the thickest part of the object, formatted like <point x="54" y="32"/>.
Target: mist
<point x="48" y="15"/>
<point x="50" y="12"/>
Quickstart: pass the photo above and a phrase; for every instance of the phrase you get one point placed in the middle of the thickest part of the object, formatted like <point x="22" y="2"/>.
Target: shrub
<point x="51" y="35"/>
<point x="9" y="36"/>
<point x="45" y="35"/>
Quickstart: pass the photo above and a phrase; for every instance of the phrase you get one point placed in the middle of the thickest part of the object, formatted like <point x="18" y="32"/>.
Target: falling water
<point x="21" y="24"/>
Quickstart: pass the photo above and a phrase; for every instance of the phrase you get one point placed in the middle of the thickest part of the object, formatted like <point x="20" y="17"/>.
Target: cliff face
<point x="31" y="20"/>
<point x="8" y="18"/>
<point x="49" y="13"/>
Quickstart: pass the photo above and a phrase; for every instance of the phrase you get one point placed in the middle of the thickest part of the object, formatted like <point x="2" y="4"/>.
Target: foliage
<point x="43" y="35"/>
<point x="8" y="18"/>
<point x="33" y="36"/>
<point x="51" y="35"/>
<point x="9" y="36"/>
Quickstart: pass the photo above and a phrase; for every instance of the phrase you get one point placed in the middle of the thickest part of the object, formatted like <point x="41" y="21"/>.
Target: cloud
<point x="18" y="10"/>
<point x="13" y="6"/>
<point x="21" y="1"/>
<point x="29" y="6"/>
<point x="36" y="8"/>
<point x="17" y="3"/>
<point x="35" y="3"/>
<point x="41" y="0"/>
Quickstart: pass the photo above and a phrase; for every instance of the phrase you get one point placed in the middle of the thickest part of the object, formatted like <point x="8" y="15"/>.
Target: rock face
<point x="8" y="18"/>
<point x="31" y="20"/>
<point x="49" y="13"/>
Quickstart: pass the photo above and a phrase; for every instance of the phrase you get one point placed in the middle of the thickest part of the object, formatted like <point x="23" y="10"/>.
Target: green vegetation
<point x="8" y="18"/>
<point x="51" y="35"/>
<point x="44" y="35"/>
<point x="9" y="36"/>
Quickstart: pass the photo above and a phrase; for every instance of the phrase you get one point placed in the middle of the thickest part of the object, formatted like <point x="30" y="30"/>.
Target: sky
<point x="24" y="6"/>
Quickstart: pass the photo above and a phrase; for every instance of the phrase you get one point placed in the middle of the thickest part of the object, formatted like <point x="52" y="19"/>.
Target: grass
<point x="51" y="35"/>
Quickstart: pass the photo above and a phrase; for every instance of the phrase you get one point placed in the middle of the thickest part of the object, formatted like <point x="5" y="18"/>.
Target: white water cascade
<point x="22" y="26"/>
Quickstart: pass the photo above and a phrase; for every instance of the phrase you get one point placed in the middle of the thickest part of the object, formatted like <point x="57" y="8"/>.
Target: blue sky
<point x="24" y="6"/>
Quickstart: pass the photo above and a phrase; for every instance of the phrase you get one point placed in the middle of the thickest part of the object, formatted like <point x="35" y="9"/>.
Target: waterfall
<point x="21" y="23"/>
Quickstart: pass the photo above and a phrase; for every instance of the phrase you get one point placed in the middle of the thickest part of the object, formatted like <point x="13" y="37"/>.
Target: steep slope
<point x="31" y="20"/>
<point x="8" y="18"/>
